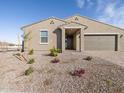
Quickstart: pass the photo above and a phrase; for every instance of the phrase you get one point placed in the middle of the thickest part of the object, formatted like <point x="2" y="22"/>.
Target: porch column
<point x="81" y="40"/>
<point x="63" y="40"/>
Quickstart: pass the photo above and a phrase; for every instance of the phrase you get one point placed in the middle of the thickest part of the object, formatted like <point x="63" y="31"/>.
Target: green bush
<point x="29" y="71"/>
<point x="109" y="82"/>
<point x="54" y="51"/>
<point x="59" y="50"/>
<point x="31" y="61"/>
<point x="31" y="52"/>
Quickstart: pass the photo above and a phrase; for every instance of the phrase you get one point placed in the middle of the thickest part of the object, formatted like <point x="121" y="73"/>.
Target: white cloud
<point x="108" y="11"/>
<point x="113" y="14"/>
<point x="81" y="3"/>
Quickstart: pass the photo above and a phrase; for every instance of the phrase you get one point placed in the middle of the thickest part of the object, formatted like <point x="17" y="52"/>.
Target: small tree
<point x="29" y="71"/>
<point x="27" y="39"/>
<point x="31" y="52"/>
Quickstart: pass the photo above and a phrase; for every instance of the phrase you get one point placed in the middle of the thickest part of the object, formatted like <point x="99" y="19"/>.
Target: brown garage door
<point x="100" y="42"/>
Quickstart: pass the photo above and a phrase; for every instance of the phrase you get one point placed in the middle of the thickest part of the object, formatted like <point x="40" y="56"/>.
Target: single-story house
<point x="73" y="33"/>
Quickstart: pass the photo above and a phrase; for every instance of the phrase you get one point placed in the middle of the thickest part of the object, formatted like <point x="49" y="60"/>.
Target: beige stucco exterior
<point x="80" y="26"/>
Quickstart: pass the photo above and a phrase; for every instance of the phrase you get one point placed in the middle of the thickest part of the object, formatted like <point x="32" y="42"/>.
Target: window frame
<point x="44" y="30"/>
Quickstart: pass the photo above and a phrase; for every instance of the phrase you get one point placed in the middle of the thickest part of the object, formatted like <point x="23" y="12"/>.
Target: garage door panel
<point x="99" y="42"/>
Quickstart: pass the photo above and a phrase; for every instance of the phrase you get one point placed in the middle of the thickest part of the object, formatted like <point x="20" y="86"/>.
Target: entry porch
<point x="72" y="36"/>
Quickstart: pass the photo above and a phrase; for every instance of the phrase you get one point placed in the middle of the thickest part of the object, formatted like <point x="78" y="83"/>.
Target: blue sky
<point x="16" y="13"/>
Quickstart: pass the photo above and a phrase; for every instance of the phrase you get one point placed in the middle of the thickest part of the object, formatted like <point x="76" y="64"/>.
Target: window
<point x="44" y="37"/>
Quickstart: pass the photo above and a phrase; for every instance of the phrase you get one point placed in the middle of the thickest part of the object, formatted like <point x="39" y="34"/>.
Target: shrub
<point x="59" y="50"/>
<point x="109" y="82"/>
<point x="54" y="51"/>
<point x="29" y="71"/>
<point x="88" y="58"/>
<point x="31" y="61"/>
<point x="55" y="60"/>
<point x="31" y="52"/>
<point x="78" y="72"/>
<point x="54" y="54"/>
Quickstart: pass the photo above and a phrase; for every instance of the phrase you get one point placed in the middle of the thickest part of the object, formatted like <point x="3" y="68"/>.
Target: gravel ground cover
<point x="101" y="76"/>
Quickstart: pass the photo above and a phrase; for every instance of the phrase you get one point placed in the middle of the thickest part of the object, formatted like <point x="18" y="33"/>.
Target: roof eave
<point x="22" y="28"/>
<point x="85" y="27"/>
<point x="94" y="21"/>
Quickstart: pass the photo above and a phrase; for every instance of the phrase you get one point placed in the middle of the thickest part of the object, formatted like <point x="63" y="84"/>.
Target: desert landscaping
<point x="69" y="72"/>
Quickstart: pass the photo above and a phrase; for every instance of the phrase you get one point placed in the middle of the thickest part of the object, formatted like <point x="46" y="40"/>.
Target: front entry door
<point x="69" y="42"/>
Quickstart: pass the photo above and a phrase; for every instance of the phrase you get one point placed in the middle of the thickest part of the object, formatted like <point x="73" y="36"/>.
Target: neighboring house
<point x="74" y="33"/>
<point x="6" y="46"/>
